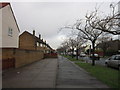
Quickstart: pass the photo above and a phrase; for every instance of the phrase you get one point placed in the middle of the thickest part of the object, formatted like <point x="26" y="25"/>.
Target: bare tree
<point x="110" y="23"/>
<point x="72" y="45"/>
<point x="79" y="41"/>
<point x="68" y="45"/>
<point x="65" y="45"/>
<point x="102" y="42"/>
<point x="88" y="33"/>
<point x="93" y="26"/>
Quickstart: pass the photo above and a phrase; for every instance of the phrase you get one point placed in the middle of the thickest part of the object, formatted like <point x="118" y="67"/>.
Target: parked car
<point x="96" y="56"/>
<point x="82" y="55"/>
<point x="113" y="61"/>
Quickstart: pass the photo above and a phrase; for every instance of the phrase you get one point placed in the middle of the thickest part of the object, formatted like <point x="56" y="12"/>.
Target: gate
<point x="8" y="63"/>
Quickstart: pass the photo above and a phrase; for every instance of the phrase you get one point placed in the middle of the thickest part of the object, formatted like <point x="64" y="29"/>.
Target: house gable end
<point x="14" y="17"/>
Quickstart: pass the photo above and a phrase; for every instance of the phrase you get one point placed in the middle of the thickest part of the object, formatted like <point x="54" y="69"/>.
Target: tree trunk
<point x="77" y="53"/>
<point x="72" y="52"/>
<point x="65" y="52"/>
<point x="93" y="56"/>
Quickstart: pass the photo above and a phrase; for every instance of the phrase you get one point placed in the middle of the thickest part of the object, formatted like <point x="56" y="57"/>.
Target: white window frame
<point x="10" y="32"/>
<point x="37" y="44"/>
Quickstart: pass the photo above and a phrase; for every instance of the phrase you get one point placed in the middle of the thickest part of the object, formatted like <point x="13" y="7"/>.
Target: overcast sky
<point x="47" y="17"/>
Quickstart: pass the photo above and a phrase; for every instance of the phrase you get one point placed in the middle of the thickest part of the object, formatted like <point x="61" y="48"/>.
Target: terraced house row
<point x="18" y="50"/>
<point x="31" y="42"/>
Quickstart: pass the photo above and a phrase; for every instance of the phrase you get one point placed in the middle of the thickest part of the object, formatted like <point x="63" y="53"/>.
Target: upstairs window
<point x="37" y="43"/>
<point x="10" y="32"/>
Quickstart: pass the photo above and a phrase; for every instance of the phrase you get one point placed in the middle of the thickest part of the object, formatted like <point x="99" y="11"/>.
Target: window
<point x="10" y="32"/>
<point x="37" y="43"/>
<point x="112" y="58"/>
<point x="117" y="58"/>
<point x="41" y="45"/>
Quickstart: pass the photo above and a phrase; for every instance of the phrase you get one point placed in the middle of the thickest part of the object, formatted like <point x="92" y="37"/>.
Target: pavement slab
<point x="40" y="74"/>
<point x="72" y="76"/>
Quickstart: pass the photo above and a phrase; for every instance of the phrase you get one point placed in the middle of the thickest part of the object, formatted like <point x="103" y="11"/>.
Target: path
<point x="72" y="76"/>
<point x="46" y="74"/>
<point x="40" y="74"/>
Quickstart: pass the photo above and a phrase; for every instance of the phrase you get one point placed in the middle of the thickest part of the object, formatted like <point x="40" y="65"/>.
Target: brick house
<point x="109" y="47"/>
<point x="31" y="42"/>
<point x="9" y="30"/>
<point x="9" y="35"/>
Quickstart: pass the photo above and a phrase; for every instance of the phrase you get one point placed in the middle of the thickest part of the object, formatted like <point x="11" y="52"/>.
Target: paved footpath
<point x="40" y="74"/>
<point x="72" y="76"/>
<point x="46" y="74"/>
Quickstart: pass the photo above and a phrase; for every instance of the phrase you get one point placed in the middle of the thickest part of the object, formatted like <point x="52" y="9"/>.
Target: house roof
<point x="2" y="5"/>
<point x="39" y="40"/>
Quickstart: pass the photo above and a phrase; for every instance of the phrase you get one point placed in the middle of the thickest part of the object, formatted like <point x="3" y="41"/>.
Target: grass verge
<point x="72" y="59"/>
<point x="107" y="75"/>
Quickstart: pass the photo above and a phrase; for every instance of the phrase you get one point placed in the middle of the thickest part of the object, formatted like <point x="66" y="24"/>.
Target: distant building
<point x="112" y="46"/>
<point x="31" y="42"/>
<point x="9" y="30"/>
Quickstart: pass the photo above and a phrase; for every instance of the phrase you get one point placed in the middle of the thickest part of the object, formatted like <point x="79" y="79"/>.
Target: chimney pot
<point x="33" y="32"/>
<point x="39" y="36"/>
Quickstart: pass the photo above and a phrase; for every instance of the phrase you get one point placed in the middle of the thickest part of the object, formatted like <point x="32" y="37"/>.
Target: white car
<point x="96" y="56"/>
<point x="82" y="55"/>
<point x="113" y="61"/>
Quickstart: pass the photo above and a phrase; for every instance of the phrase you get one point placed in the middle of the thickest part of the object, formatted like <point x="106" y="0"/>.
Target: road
<point x="99" y="62"/>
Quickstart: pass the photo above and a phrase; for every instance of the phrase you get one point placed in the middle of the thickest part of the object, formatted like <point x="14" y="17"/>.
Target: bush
<point x="111" y="52"/>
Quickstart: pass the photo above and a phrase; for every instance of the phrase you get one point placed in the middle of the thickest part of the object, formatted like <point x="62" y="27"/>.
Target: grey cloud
<point x="47" y="17"/>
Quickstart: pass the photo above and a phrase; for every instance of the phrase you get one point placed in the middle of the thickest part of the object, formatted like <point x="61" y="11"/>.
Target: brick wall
<point x="22" y="57"/>
<point x="50" y="55"/>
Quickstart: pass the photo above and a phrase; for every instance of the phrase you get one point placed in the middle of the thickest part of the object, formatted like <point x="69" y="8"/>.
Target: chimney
<point x="45" y="41"/>
<point x="39" y="36"/>
<point x="33" y="32"/>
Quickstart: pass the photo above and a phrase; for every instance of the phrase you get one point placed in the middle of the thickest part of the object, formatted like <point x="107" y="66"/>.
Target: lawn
<point x="72" y="59"/>
<point x="106" y="75"/>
